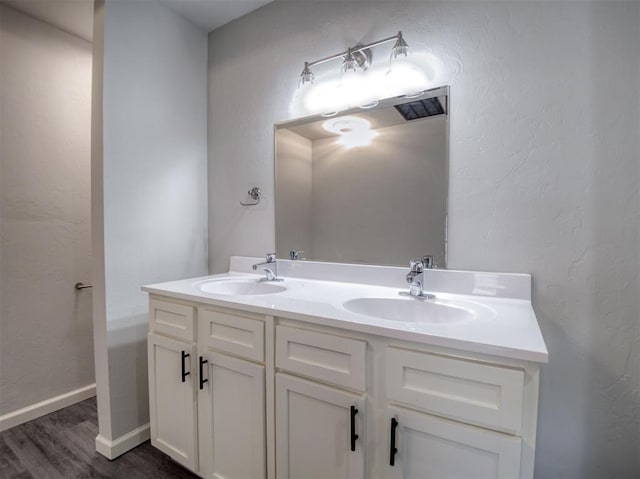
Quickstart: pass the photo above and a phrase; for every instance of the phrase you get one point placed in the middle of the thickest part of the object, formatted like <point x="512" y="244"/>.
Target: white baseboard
<point x="117" y="447"/>
<point x="45" y="407"/>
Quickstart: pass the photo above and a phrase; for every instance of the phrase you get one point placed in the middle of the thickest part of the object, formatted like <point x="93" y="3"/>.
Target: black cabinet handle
<point x="185" y="373"/>
<point x="354" y="436"/>
<point x="202" y="362"/>
<point x="392" y="446"/>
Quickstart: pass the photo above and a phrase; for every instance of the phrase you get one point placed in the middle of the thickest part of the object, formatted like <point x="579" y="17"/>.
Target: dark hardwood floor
<point x="62" y="445"/>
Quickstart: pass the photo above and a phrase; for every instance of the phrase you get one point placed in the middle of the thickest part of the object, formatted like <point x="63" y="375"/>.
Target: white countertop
<point x="504" y="323"/>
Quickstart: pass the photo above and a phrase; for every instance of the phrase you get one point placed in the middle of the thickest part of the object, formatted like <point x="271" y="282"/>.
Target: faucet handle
<point x="416" y="266"/>
<point x="428" y="262"/>
<point x="271" y="257"/>
<point x="294" y="254"/>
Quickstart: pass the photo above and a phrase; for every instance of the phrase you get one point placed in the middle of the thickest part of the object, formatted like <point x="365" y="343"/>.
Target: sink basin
<point x="412" y="310"/>
<point x="243" y="287"/>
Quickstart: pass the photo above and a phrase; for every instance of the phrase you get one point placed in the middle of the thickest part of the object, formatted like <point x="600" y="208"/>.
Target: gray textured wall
<point x="46" y="346"/>
<point x="544" y="176"/>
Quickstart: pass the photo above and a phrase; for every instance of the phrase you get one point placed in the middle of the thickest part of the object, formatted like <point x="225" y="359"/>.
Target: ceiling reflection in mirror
<point x="367" y="186"/>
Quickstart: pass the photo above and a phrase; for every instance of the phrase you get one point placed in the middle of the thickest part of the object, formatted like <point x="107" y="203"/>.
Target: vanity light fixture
<point x="350" y="64"/>
<point x="354" y="88"/>
<point x="355" y="58"/>
<point x="306" y="76"/>
<point x="403" y="77"/>
<point x="400" y="49"/>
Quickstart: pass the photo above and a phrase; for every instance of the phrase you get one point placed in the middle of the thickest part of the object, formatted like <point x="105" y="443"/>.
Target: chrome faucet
<point x="270" y="267"/>
<point x="295" y="254"/>
<point x="415" y="277"/>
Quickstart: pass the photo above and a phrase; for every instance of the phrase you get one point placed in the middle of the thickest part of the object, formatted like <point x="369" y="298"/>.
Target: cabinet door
<point x="314" y="431"/>
<point x="172" y="400"/>
<point x="431" y="447"/>
<point x="231" y="416"/>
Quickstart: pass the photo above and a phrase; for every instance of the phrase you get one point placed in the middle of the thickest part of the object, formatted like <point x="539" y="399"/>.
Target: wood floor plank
<point x="22" y="475"/>
<point x="57" y="452"/>
<point x="62" y="445"/>
<point x="30" y="454"/>
<point x="81" y="440"/>
<point x="10" y="465"/>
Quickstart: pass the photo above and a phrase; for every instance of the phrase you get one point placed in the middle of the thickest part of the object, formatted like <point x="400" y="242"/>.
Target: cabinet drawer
<point x="329" y="358"/>
<point x="170" y="318"/>
<point x="478" y="393"/>
<point x="231" y="333"/>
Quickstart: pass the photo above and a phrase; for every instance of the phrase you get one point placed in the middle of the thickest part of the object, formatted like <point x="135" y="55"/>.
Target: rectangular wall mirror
<point x="365" y="186"/>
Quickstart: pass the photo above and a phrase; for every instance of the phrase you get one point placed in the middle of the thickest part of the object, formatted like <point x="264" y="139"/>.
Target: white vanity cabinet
<point x="452" y="417"/>
<point x="171" y="352"/>
<point x="237" y="395"/>
<point x="422" y="413"/>
<point x="231" y="395"/>
<point x="207" y="389"/>
<point x="318" y="430"/>
<point x="319" y="425"/>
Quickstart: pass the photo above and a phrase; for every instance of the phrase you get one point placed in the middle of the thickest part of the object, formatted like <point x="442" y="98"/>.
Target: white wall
<point x="46" y="346"/>
<point x="150" y="186"/>
<point x="544" y="176"/>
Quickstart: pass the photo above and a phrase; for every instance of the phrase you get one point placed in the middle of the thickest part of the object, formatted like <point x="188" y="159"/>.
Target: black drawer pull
<point x="202" y="379"/>
<point x="392" y="446"/>
<point x="354" y="436"/>
<point x="185" y="373"/>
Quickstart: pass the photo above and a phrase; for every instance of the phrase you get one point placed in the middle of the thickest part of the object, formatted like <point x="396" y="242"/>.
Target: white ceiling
<point x="211" y="14"/>
<point x="76" y="16"/>
<point x="73" y="16"/>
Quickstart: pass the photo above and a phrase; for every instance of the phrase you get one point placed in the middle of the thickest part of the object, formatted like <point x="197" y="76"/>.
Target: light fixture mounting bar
<point x="354" y="49"/>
